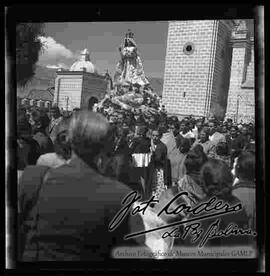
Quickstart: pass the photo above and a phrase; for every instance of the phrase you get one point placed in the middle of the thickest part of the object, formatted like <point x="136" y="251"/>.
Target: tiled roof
<point x="23" y="92"/>
<point x="44" y="95"/>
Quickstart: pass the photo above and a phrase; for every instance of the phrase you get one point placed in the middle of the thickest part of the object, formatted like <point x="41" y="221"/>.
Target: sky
<point x="64" y="41"/>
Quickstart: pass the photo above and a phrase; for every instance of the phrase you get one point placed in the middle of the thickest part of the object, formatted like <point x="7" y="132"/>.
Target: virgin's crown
<point x="129" y="34"/>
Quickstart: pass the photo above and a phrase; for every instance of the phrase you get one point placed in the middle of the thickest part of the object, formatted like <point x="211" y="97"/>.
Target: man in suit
<point x="55" y="120"/>
<point x="40" y="121"/>
<point x="174" y="128"/>
<point x="197" y="128"/>
<point x="65" y="212"/>
<point x="139" y="149"/>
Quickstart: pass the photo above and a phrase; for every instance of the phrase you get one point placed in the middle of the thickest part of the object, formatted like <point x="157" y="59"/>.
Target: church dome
<point x="84" y="62"/>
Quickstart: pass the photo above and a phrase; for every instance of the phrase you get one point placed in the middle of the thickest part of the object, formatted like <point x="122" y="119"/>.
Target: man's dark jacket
<point x="69" y="219"/>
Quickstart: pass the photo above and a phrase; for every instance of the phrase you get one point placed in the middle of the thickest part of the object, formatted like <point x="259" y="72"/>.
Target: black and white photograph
<point x="136" y="140"/>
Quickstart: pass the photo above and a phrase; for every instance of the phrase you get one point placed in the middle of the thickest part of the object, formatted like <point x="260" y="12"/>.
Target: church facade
<point x="81" y="86"/>
<point x="209" y="68"/>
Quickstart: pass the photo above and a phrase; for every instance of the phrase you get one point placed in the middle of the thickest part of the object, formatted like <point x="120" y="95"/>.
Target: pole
<point x="67" y="103"/>
<point x="237" y="109"/>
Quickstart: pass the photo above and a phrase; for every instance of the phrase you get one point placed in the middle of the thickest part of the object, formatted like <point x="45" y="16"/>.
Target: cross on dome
<point x="84" y="63"/>
<point x="85" y="55"/>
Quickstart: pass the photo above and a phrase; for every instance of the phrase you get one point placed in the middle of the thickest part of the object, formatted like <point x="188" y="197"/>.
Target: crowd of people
<point x="74" y="169"/>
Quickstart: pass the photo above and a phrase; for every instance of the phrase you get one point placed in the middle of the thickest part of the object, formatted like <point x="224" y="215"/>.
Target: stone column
<point x="240" y="104"/>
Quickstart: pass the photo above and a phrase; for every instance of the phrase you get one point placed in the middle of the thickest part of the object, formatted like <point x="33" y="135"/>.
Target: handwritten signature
<point x="212" y="232"/>
<point x="192" y="226"/>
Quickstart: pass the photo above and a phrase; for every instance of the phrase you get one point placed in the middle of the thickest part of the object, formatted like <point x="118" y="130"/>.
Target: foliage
<point x="28" y="47"/>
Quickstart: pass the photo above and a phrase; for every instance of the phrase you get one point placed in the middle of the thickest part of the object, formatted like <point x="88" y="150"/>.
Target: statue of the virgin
<point x="130" y="69"/>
